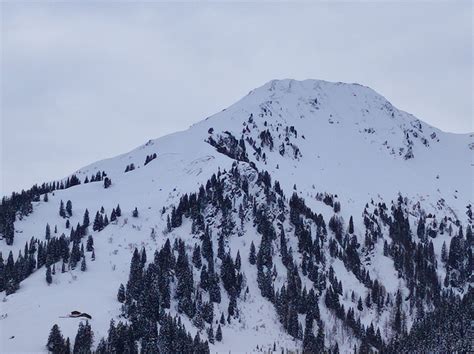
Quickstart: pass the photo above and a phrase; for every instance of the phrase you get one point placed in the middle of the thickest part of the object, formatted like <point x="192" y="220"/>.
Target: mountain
<point x="360" y="215"/>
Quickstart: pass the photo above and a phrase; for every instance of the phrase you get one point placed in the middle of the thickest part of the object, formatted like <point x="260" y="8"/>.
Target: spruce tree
<point x="444" y="253"/>
<point x="113" y="215"/>
<point x="320" y="337"/>
<point x="86" y="221"/>
<point x="309" y="340"/>
<point x="351" y="225"/>
<point x="90" y="244"/>
<point x="134" y="284"/>
<point x="238" y="261"/>
<point x="67" y="349"/>
<point x="69" y="208"/>
<point x="84" y="339"/>
<point x="83" y="264"/>
<point x="197" y="256"/>
<point x="107" y="182"/>
<point x="252" y="255"/>
<point x="118" y="211"/>
<point x="62" y="211"/>
<point x="135" y="213"/>
<point x="359" y="304"/>
<point x="49" y="278"/>
<point x="98" y="222"/>
<point x="48" y="232"/>
<point x="210" y="334"/>
<point x="219" y="333"/>
<point x="121" y="294"/>
<point x="56" y="342"/>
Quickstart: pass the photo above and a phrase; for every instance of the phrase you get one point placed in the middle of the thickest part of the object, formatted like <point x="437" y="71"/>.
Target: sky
<point x="81" y="82"/>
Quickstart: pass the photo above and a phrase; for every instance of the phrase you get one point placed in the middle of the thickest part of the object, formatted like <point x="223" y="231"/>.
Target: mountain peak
<point x="311" y="86"/>
<point x="271" y="171"/>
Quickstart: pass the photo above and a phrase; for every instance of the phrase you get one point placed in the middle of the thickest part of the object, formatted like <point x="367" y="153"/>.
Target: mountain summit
<point x="314" y="214"/>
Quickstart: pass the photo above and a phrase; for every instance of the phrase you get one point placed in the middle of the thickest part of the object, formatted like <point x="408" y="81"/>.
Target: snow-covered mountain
<point x="338" y="152"/>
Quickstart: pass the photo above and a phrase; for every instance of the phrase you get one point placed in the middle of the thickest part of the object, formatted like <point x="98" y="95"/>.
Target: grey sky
<point x="82" y="82"/>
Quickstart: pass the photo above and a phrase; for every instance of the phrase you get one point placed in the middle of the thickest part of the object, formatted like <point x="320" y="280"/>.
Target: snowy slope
<point x="343" y="139"/>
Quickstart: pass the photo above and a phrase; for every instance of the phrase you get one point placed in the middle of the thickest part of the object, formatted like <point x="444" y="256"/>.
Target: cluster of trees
<point x="19" y="205"/>
<point x="448" y="329"/>
<point x="82" y="343"/>
<point x="147" y="295"/>
<point x="101" y="220"/>
<point x="459" y="261"/>
<point x="65" y="212"/>
<point x="130" y="167"/>
<point x="38" y="253"/>
<point x="416" y="262"/>
<point x="228" y="144"/>
<point x="271" y="208"/>
<point x="98" y="177"/>
<point x="227" y="197"/>
<point x="150" y="158"/>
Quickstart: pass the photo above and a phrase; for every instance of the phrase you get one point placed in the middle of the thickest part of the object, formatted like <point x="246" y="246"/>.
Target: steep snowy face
<point x="329" y="181"/>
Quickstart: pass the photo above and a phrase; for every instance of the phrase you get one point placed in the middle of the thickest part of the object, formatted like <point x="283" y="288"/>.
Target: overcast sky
<point x="82" y="82"/>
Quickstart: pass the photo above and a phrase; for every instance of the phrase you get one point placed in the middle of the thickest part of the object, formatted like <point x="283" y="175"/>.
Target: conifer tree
<point x="444" y="253"/>
<point x="219" y="333"/>
<point x="56" y="342"/>
<point x="90" y="244"/>
<point x="86" y="221"/>
<point x="107" y="182"/>
<point x="210" y="334"/>
<point x="309" y="340"/>
<point x="118" y="211"/>
<point x="351" y="225"/>
<point x="48" y="232"/>
<point x="62" y="211"/>
<point x="98" y="222"/>
<point x="49" y="278"/>
<point x="134" y="284"/>
<point x="69" y="208"/>
<point x="252" y="255"/>
<point x="197" y="256"/>
<point x="83" y="264"/>
<point x="113" y="215"/>
<point x="359" y="304"/>
<point x="84" y="339"/>
<point x="238" y="261"/>
<point x="121" y="294"/>
<point x="320" y="337"/>
<point x="67" y="349"/>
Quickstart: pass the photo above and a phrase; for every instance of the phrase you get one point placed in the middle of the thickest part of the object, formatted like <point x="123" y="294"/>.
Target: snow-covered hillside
<point x="332" y="145"/>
